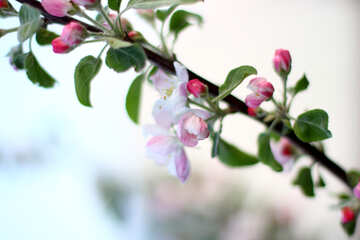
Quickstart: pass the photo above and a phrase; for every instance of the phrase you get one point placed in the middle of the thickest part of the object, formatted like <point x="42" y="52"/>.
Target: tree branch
<point x="235" y="104"/>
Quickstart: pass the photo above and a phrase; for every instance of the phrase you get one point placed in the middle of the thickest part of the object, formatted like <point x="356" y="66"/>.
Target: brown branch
<point x="235" y="104"/>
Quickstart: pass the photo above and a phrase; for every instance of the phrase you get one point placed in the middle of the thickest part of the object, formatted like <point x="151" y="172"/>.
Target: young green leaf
<point x="233" y="156"/>
<point x="133" y="98"/>
<point x="301" y="85"/>
<point x="265" y="154"/>
<point x="181" y="19"/>
<point x="114" y="4"/>
<point x="153" y="70"/>
<point x="45" y="37"/>
<point x="320" y="182"/>
<point x="120" y="60"/>
<point x="36" y="73"/>
<point x="234" y="78"/>
<point x="312" y="126"/>
<point x="305" y="182"/>
<point x="162" y="15"/>
<point x="151" y="4"/>
<point x="29" y="22"/>
<point x="349" y="227"/>
<point x="353" y="177"/>
<point x="85" y="71"/>
<point x="17" y="57"/>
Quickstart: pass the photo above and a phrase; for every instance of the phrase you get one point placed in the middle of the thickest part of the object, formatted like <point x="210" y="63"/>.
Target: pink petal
<point x="182" y="165"/>
<point x="254" y="100"/>
<point x="162" y="148"/>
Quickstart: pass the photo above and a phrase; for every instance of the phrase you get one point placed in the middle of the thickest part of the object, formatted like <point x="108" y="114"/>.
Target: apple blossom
<point x="172" y="104"/>
<point x="282" y="61"/>
<point x="58" y="8"/>
<point x="262" y="90"/>
<point x="192" y="127"/>
<point x="196" y="87"/>
<point x="166" y="149"/>
<point x="348" y="215"/>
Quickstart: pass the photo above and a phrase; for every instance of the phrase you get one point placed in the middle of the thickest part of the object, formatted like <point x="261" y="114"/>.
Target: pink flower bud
<point x="58" y="8"/>
<point x="192" y="128"/>
<point x="283" y="152"/>
<point x="282" y="61"/>
<point x="252" y="112"/>
<point x="135" y="36"/>
<point x="348" y="215"/>
<point x="262" y="89"/>
<point x="59" y="46"/>
<point x="73" y="33"/>
<point x="4" y="4"/>
<point x="196" y="87"/>
<point x="356" y="191"/>
<point x="85" y="3"/>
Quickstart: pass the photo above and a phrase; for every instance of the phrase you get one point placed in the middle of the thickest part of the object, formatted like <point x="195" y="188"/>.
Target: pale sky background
<point x="80" y="143"/>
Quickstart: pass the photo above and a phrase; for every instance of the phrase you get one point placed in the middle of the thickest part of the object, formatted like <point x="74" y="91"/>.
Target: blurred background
<point x="71" y="172"/>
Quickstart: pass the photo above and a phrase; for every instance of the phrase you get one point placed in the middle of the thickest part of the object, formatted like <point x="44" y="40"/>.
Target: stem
<point x="10" y="30"/>
<point x="200" y="105"/>
<point x="102" y="50"/>
<point x="236" y="104"/>
<point x="285" y="91"/>
<point x="84" y="15"/>
<point x="163" y="42"/>
<point x="106" y="16"/>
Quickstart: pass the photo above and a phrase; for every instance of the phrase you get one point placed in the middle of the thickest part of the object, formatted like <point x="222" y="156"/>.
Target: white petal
<point x="155" y="130"/>
<point x="181" y="72"/>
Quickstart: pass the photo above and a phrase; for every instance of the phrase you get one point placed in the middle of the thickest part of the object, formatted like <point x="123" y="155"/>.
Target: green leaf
<point x="17" y="57"/>
<point x="133" y="98"/>
<point x="45" y="37"/>
<point x="117" y="43"/>
<point x="162" y="15"/>
<point x="19" y="60"/>
<point x="181" y="19"/>
<point x="114" y="4"/>
<point x="151" y="4"/>
<point x="234" y="157"/>
<point x="29" y="22"/>
<point x="320" y="182"/>
<point x="234" y="78"/>
<point x="85" y="72"/>
<point x="349" y="227"/>
<point x="120" y="60"/>
<point x="305" y="182"/>
<point x="36" y="73"/>
<point x="28" y="14"/>
<point x="301" y="85"/>
<point x="353" y="177"/>
<point x="265" y="154"/>
<point x="312" y="126"/>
